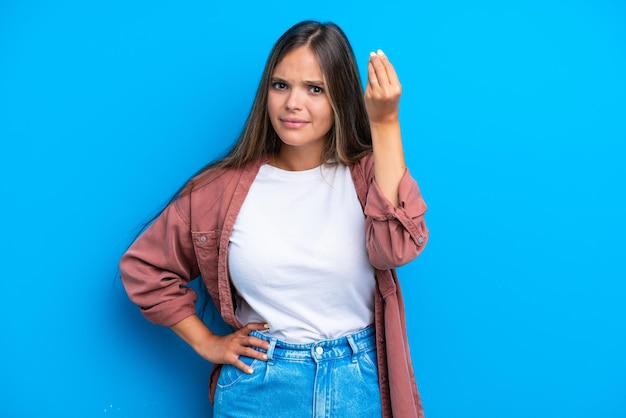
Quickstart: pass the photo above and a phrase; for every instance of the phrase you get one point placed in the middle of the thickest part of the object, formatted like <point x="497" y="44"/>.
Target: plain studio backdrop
<point x="513" y="117"/>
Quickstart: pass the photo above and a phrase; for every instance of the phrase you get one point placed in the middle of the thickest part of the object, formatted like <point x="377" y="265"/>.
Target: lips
<point x="293" y="122"/>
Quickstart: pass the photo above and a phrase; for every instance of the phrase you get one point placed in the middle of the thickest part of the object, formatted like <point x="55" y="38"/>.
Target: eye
<point x="279" y="85"/>
<point x="316" y="90"/>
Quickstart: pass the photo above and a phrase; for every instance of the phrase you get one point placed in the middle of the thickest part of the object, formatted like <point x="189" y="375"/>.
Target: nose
<point x="294" y="100"/>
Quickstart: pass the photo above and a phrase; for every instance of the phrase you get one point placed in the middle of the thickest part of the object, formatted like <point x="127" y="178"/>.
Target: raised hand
<point x="382" y="101"/>
<point x="383" y="90"/>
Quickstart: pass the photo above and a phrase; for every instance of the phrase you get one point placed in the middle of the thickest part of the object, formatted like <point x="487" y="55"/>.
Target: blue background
<point x="514" y="123"/>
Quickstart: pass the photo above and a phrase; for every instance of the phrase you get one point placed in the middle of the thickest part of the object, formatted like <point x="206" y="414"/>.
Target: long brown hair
<point x="349" y="138"/>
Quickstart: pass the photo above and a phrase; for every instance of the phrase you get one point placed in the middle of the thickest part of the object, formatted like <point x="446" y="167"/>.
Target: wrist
<point x="385" y="127"/>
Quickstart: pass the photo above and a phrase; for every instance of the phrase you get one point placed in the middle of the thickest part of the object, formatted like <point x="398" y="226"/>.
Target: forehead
<point x="299" y="63"/>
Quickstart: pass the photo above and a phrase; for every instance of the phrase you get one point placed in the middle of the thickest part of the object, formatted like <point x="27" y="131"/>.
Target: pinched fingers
<point x="383" y="89"/>
<point x="383" y="82"/>
<point x="376" y="71"/>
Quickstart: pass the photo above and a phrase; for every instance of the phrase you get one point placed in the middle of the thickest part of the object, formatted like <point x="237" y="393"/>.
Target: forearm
<point x="389" y="162"/>
<point x="195" y="333"/>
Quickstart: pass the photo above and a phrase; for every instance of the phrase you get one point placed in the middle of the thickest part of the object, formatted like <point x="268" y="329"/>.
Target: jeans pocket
<point x="231" y="375"/>
<point x="368" y="361"/>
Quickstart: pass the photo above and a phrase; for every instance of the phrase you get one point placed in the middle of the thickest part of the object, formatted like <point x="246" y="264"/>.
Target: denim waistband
<point x="362" y="341"/>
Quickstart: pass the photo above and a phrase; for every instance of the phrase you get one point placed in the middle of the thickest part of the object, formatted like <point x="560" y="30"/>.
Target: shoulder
<point x="362" y="171"/>
<point x="212" y="190"/>
<point x="364" y="165"/>
<point x="219" y="178"/>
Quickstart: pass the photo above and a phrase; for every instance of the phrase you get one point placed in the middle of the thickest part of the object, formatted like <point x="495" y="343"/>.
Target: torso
<point x="297" y="255"/>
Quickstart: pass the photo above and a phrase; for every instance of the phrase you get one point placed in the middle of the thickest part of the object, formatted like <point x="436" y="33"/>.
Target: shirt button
<point x="420" y="240"/>
<point x="319" y="351"/>
<point x="203" y="239"/>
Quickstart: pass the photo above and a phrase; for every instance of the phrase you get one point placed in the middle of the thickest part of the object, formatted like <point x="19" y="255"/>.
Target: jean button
<point x="319" y="351"/>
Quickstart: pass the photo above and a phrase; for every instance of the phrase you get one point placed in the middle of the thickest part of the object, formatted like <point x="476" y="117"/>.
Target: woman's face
<point x="297" y="103"/>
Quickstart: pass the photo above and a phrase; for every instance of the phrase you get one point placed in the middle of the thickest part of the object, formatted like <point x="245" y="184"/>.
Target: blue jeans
<point x="330" y="378"/>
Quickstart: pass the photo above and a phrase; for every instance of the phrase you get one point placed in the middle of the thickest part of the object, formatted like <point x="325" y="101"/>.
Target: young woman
<point x="296" y="234"/>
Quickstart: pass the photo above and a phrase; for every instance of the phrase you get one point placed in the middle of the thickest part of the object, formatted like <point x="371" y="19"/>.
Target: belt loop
<point x="270" y="352"/>
<point x="354" y="348"/>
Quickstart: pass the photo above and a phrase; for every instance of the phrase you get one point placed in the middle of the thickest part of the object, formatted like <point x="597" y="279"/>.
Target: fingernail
<point x="380" y="52"/>
<point x="250" y="371"/>
<point x="264" y="356"/>
<point x="267" y="326"/>
<point x="372" y="54"/>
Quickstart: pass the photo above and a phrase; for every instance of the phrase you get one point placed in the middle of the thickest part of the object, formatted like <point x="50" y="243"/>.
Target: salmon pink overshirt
<point x="190" y="239"/>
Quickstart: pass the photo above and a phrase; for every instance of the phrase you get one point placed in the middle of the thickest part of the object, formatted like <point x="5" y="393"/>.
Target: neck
<point x="296" y="159"/>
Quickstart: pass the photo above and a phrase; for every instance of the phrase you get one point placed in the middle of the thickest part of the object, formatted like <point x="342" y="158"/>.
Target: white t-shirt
<point x="297" y="255"/>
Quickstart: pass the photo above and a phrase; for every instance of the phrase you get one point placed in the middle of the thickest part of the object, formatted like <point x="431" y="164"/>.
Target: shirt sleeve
<point x="395" y="235"/>
<point x="158" y="266"/>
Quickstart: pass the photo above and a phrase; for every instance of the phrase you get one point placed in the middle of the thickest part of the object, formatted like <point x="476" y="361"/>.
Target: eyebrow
<point x="306" y="82"/>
